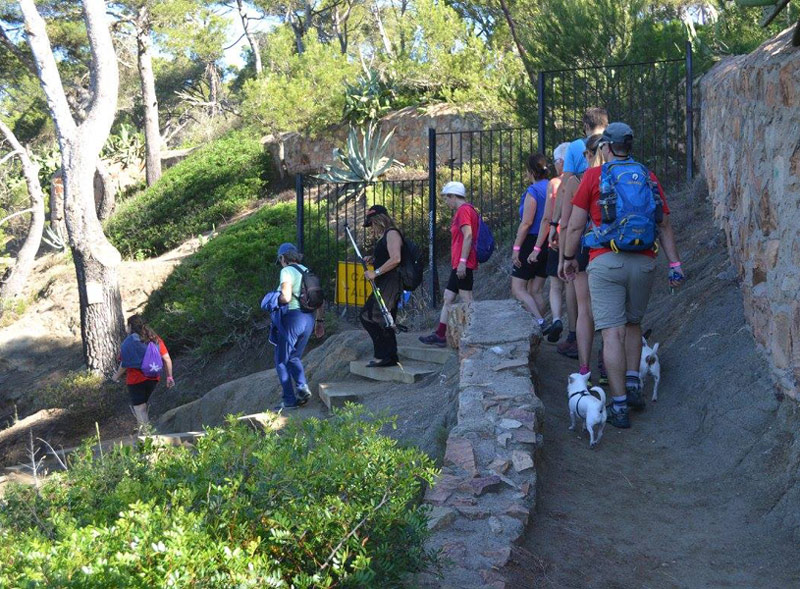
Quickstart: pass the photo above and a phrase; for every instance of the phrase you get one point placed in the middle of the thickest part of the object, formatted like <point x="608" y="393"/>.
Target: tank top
<point x="537" y="191"/>
<point x="380" y="253"/>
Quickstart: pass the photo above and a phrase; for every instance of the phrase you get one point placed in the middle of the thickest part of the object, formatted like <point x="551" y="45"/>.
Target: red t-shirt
<point x="587" y="198"/>
<point x="465" y="215"/>
<point x="136" y="376"/>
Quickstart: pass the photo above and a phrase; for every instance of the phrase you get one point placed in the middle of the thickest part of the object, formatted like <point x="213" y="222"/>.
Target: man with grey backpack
<point x="629" y="214"/>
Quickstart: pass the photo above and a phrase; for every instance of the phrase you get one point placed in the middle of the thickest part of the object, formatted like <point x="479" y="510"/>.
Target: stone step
<point x="407" y="372"/>
<point x="425" y="353"/>
<point x="336" y="394"/>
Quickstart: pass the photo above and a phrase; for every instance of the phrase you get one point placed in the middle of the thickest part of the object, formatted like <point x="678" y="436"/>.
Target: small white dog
<point x="649" y="364"/>
<point x="585" y="406"/>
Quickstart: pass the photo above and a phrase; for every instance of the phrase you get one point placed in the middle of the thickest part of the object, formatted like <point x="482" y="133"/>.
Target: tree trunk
<point x="26" y="256"/>
<point x="523" y="55"/>
<point x="387" y="43"/>
<point x="57" y="222"/>
<point x="105" y="197"/>
<point x="214" y="83"/>
<point x="96" y="260"/>
<point x="152" y="134"/>
<point x="251" y="38"/>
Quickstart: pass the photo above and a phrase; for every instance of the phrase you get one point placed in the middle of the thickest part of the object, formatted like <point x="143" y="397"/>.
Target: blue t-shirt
<point x="537" y="191"/>
<point x="575" y="162"/>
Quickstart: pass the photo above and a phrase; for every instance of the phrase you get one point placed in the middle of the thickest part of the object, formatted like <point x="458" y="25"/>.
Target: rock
<point x="518" y="512"/>
<point x="442" y="488"/>
<point x="527" y="418"/>
<point x="459" y="452"/>
<point x="441" y="517"/>
<point x="522" y="460"/>
<point x="500" y="557"/>
<point x="503" y="439"/>
<point x="510" y="364"/>
<point x="499" y="465"/>
<point x="485" y="484"/>
<point x="473" y="512"/>
<point x="525" y="436"/>
<point x="509" y="423"/>
<point x="495" y="525"/>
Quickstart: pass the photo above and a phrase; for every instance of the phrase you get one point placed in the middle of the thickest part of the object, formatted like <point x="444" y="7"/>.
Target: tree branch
<point x="25" y="59"/>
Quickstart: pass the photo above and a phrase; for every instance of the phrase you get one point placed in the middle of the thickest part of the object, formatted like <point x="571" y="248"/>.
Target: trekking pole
<point x="387" y="316"/>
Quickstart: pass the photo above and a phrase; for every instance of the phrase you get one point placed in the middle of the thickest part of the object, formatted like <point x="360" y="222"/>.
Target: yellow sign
<point x="351" y="286"/>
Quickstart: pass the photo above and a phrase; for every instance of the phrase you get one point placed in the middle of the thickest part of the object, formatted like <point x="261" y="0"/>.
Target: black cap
<point x="372" y="211"/>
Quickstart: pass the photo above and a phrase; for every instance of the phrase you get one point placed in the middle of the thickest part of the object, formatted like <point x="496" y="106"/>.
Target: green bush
<point x="82" y="393"/>
<point x="212" y="299"/>
<point x="206" y="189"/>
<point x="321" y="504"/>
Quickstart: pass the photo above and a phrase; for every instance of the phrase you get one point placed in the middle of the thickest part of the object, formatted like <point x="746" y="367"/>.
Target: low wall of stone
<point x="750" y="157"/>
<point x="486" y="491"/>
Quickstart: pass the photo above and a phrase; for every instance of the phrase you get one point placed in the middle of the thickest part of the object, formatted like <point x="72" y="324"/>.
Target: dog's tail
<point x="602" y="394"/>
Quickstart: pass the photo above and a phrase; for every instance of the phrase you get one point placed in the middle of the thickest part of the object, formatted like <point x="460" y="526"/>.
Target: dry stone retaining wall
<point x="750" y="157"/>
<point x="486" y="491"/>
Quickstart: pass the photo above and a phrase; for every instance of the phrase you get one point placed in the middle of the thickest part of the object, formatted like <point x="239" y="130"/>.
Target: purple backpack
<point x="152" y="362"/>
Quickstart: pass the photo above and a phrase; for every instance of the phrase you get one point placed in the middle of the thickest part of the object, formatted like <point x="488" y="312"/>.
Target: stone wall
<point x="486" y="491"/>
<point x="750" y="157"/>
<point x="294" y="153"/>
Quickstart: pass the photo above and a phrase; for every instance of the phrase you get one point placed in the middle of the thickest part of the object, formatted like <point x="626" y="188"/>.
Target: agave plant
<point x="54" y="238"/>
<point x="364" y="161"/>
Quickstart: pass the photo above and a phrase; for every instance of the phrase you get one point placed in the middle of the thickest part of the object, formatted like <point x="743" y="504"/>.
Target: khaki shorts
<point x="619" y="285"/>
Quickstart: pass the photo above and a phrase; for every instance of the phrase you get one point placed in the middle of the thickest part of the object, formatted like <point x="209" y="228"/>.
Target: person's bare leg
<point x="555" y="297"/>
<point x="449" y="298"/>
<point x="572" y="307"/>
<point x="519" y="290"/>
<point x="633" y="346"/>
<point x="585" y="323"/>
<point x="614" y="356"/>
<point x="536" y="290"/>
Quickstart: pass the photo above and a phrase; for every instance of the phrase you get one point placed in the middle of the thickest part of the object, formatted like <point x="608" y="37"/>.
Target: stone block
<point x="521" y="460"/>
<point x="459" y="452"/>
<point x="517" y="323"/>
<point x="441" y="517"/>
<point x="407" y="372"/>
<point x="483" y="485"/>
<point x="423" y="353"/>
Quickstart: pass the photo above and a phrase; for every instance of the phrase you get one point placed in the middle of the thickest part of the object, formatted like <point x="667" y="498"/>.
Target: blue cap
<point x="617" y="133"/>
<point x="285" y="248"/>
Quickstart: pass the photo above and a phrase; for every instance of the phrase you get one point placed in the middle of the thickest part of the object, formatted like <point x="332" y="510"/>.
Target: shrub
<point x="204" y="190"/>
<point x="212" y="299"/>
<point x="321" y="504"/>
<point x="82" y="393"/>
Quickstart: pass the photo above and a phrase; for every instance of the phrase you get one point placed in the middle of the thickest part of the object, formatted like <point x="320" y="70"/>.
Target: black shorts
<point x="583" y="259"/>
<point x="552" y="262"/>
<point x="140" y="393"/>
<point x="455" y="284"/>
<point x="527" y="271"/>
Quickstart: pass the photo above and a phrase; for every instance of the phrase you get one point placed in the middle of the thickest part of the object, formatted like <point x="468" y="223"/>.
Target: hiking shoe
<point x="568" y="349"/>
<point x="285" y="407"/>
<point x="303" y="395"/>
<point x="433" y="340"/>
<point x="635" y="398"/>
<point x="618" y="419"/>
<point x="553" y="331"/>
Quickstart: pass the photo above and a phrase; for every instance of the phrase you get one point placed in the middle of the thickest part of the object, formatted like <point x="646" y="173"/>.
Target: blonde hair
<point x="382" y="222"/>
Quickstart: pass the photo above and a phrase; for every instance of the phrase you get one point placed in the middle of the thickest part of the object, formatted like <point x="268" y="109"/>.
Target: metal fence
<point x="654" y="98"/>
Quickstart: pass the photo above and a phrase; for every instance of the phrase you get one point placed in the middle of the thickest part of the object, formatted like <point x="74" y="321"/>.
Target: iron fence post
<point x="540" y="99"/>
<point x="298" y="188"/>
<point x="434" y="281"/>
<point x="689" y="115"/>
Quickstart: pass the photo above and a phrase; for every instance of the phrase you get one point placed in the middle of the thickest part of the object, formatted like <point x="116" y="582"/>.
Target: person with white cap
<point x="463" y="257"/>
<point x="628" y="213"/>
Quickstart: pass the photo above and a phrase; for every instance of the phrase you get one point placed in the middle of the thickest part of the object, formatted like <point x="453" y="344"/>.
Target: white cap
<point x="456" y="188"/>
<point x="560" y="152"/>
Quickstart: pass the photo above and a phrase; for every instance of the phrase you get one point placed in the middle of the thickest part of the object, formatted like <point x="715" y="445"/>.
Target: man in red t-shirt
<point x="619" y="282"/>
<point x="463" y="256"/>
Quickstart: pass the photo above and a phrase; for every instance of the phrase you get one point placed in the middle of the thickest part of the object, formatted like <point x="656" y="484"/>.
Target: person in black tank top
<point x="385" y="259"/>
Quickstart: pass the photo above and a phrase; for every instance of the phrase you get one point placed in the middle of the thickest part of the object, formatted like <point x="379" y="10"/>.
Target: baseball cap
<point x="285" y="248"/>
<point x="455" y="188"/>
<point x="372" y="211"/>
<point x="617" y="133"/>
<point x="560" y="152"/>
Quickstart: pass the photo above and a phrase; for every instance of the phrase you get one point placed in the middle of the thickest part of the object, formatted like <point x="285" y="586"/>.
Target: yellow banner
<point x="351" y="286"/>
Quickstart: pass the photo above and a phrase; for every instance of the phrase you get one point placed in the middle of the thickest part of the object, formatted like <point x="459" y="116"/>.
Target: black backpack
<point x="412" y="265"/>
<point x="311" y="295"/>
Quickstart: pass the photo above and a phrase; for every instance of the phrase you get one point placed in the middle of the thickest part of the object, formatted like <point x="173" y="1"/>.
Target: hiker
<point x="133" y="354"/>
<point x="578" y="343"/>
<point x="463" y="257"/>
<point x="621" y="268"/>
<point x="292" y="327"/>
<point x="532" y="217"/>
<point x="548" y="233"/>
<point x="386" y="257"/>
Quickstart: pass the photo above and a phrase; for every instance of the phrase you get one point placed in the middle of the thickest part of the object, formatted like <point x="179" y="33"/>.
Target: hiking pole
<point x="387" y="316"/>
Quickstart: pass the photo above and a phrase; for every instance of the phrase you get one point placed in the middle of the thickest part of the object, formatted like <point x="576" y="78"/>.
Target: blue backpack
<point x="484" y="245"/>
<point x="630" y="208"/>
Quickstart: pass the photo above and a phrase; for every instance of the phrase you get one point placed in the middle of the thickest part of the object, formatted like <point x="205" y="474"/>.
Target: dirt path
<point x="688" y="496"/>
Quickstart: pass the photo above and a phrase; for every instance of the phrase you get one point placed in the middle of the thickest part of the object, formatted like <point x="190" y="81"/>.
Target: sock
<point x="571" y="337"/>
<point x="540" y="321"/>
<point x="584" y="369"/>
<point x="620" y="403"/>
<point x="441" y="330"/>
<point x="632" y="379"/>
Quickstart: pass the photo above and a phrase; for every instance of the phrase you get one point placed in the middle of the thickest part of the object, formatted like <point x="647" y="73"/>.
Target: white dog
<point x="649" y="364"/>
<point x="585" y="406"/>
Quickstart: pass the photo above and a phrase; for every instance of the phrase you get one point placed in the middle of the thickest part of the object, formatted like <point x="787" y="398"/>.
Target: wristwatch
<point x="377" y="271"/>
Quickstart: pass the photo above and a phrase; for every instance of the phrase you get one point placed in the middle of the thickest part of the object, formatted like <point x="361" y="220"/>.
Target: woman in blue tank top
<point x="531" y="211"/>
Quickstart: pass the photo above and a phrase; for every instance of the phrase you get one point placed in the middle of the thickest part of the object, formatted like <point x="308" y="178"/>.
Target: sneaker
<point x="284" y="407"/>
<point x="619" y="419"/>
<point x="568" y="349"/>
<point x="303" y="395"/>
<point x="433" y="340"/>
<point x="635" y="397"/>
<point x="553" y="332"/>
<point x="603" y="380"/>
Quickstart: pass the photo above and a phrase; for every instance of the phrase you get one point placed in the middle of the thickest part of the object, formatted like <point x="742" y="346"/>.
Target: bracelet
<point x="553" y="223"/>
<point x="675" y="265"/>
<point x="462" y="260"/>
<point x="537" y="249"/>
<point x="568" y="258"/>
<point x="516" y="248"/>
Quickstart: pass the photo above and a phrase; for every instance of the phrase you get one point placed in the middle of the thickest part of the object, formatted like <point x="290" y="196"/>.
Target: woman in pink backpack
<point x="141" y="379"/>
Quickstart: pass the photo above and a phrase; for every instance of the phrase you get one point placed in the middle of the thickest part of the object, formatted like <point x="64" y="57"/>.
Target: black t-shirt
<point x="380" y="254"/>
